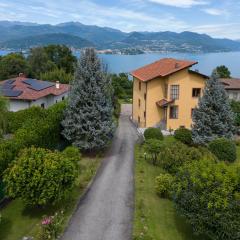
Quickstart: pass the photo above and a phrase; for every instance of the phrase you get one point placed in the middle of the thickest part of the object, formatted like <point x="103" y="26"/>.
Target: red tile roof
<point x="161" y="68"/>
<point x="31" y="94"/>
<point x="231" y="83"/>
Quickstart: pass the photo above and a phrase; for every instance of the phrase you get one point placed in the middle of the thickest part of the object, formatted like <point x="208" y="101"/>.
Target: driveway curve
<point x="106" y="210"/>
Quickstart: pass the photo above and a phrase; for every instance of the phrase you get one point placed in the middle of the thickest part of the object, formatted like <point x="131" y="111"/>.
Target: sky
<point x="218" y="18"/>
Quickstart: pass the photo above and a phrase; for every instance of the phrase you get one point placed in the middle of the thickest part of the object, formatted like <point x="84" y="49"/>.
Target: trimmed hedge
<point x="184" y="135"/>
<point x="153" y="133"/>
<point x="224" y="149"/>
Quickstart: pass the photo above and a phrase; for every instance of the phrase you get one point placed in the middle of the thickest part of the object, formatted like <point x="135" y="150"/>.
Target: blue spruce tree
<point x="88" y="121"/>
<point x="213" y="117"/>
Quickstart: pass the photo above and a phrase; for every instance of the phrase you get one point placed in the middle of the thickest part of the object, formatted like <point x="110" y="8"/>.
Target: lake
<point x="207" y="61"/>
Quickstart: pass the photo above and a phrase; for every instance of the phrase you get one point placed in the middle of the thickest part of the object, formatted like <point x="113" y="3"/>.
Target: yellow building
<point x="165" y="93"/>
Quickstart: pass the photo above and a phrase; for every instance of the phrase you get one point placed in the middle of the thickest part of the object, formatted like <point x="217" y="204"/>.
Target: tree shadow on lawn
<point x="185" y="229"/>
<point x="5" y="228"/>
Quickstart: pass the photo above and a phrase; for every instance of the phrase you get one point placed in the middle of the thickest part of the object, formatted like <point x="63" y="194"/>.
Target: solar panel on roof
<point x="7" y="86"/>
<point x="37" y="85"/>
<point x="11" y="93"/>
<point x="11" y="81"/>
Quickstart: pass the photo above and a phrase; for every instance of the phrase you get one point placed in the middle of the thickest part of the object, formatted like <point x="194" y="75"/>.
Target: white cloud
<point x="180" y="3"/>
<point x="215" y="11"/>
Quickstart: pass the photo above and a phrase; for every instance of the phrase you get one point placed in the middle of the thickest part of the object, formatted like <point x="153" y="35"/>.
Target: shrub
<point x="40" y="177"/>
<point x="184" y="135"/>
<point x="153" y="148"/>
<point x="153" y="133"/>
<point x="223" y="149"/>
<point x="164" y="185"/>
<point x="174" y="155"/>
<point x="207" y="194"/>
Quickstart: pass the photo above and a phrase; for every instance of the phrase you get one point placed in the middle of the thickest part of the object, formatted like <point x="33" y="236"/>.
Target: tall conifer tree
<point x="213" y="117"/>
<point x="88" y="122"/>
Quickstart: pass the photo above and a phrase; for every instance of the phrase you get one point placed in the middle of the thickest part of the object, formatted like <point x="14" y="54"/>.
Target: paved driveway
<point x="106" y="211"/>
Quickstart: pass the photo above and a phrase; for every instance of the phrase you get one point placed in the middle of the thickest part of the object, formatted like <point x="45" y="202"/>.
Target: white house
<point x="25" y="92"/>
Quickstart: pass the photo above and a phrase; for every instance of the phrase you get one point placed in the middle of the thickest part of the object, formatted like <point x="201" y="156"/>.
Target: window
<point x="173" y="112"/>
<point x="139" y="86"/>
<point x="56" y="101"/>
<point x="144" y="114"/>
<point x="196" y="92"/>
<point x="42" y="105"/>
<point x="165" y="90"/>
<point x="63" y="98"/>
<point x="235" y="96"/>
<point x="174" y="92"/>
<point x="139" y="120"/>
<point x="139" y="102"/>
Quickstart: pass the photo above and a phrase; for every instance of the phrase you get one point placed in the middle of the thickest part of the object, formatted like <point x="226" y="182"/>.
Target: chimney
<point x="21" y="75"/>
<point x="57" y="84"/>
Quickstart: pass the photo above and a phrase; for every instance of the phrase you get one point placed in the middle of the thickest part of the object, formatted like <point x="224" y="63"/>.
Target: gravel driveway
<point x="106" y="211"/>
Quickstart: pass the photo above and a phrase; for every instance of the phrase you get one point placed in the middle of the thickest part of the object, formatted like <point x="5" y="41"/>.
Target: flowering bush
<point x="51" y="226"/>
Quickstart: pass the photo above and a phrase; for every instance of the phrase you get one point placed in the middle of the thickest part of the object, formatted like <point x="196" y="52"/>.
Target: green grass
<point x="18" y="221"/>
<point x="155" y="218"/>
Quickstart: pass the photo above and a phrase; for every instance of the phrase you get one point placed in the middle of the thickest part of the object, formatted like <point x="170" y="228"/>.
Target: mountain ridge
<point x="17" y="34"/>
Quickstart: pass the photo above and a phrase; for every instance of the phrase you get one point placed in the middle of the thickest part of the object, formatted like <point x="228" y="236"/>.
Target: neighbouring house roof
<point x="23" y="88"/>
<point x="164" y="102"/>
<point x="231" y="83"/>
<point x="161" y="68"/>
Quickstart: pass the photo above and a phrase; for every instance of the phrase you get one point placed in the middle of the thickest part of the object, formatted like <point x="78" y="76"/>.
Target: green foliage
<point x="122" y="86"/>
<point x="224" y="149"/>
<point x="207" y="194"/>
<point x="57" y="75"/>
<point x="39" y="62"/>
<point x="88" y="122"/>
<point x="153" y="148"/>
<point x="40" y="177"/>
<point x="223" y="72"/>
<point x="51" y="226"/>
<point x="235" y="105"/>
<point x="32" y="127"/>
<point x="184" y="135"/>
<point x="175" y="155"/>
<point x="3" y="115"/>
<point x="8" y="151"/>
<point x="164" y="185"/>
<point x="213" y="118"/>
<point x="18" y="119"/>
<point x="153" y="133"/>
<point x="13" y="64"/>
<point x="62" y="57"/>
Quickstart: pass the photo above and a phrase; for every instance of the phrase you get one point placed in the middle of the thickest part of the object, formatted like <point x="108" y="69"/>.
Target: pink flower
<point x="46" y="221"/>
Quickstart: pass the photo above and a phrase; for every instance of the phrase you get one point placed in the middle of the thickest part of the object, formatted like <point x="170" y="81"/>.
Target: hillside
<point x="46" y="39"/>
<point x="17" y="35"/>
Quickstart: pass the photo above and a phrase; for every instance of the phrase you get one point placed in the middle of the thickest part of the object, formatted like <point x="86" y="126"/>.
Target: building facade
<point x="232" y="87"/>
<point x="165" y="94"/>
<point x="24" y="93"/>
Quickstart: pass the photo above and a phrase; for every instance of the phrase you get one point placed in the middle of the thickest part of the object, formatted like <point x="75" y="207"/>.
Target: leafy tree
<point x="184" y="135"/>
<point x="62" y="56"/>
<point x="235" y="105"/>
<point x="153" y="133"/>
<point x="13" y="64"/>
<point x="88" y="122"/>
<point x="57" y="75"/>
<point x="223" y="72"/>
<point x="213" y="117"/>
<point x="39" y="62"/>
<point x="3" y="115"/>
<point x="40" y="177"/>
<point x="163" y="185"/>
<point x="207" y="194"/>
<point x="122" y="86"/>
<point x="153" y="147"/>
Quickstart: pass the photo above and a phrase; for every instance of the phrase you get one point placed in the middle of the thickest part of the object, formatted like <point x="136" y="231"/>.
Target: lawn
<point x="155" y="218"/>
<point x="19" y="221"/>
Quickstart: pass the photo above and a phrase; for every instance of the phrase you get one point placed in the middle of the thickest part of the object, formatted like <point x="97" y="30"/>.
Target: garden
<point x="188" y="185"/>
